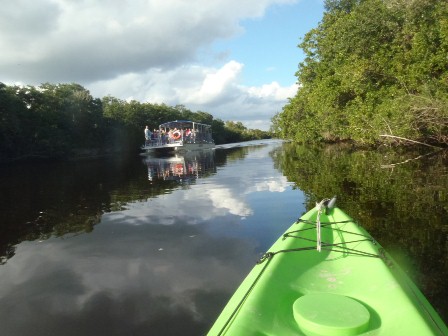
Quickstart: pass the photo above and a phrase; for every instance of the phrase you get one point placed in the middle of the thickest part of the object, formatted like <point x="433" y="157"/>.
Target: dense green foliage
<point x="64" y="120"/>
<point x="372" y="68"/>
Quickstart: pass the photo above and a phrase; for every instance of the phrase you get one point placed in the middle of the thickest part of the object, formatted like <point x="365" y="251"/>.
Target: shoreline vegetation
<point x="64" y="122"/>
<point x="375" y="72"/>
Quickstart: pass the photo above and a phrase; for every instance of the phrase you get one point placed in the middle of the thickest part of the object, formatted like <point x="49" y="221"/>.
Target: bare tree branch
<point x="409" y="140"/>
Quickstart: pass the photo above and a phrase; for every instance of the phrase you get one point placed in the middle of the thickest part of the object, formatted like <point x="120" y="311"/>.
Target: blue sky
<point x="269" y="46"/>
<point x="234" y="59"/>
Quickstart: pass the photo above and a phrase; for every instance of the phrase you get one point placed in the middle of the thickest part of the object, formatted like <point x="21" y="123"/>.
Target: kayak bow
<point x="327" y="276"/>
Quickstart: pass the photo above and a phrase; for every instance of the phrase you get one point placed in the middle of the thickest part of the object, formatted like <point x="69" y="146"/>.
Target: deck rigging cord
<point x="320" y="206"/>
<point x="334" y="247"/>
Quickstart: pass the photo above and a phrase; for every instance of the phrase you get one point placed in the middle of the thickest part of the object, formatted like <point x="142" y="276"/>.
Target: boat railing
<point x="162" y="140"/>
<point x="179" y="133"/>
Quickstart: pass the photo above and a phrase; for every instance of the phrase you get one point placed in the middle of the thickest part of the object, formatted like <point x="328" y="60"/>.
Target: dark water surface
<point x="156" y="246"/>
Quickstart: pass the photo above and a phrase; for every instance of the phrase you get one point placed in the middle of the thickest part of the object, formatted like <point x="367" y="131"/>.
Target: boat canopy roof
<point x="183" y="124"/>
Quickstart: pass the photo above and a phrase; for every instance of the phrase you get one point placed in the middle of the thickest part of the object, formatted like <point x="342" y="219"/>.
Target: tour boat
<point x="327" y="276"/>
<point x="179" y="136"/>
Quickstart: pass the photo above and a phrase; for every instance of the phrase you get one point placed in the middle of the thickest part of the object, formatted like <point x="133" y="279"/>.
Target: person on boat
<point x="163" y="136"/>
<point x="147" y="135"/>
<point x="188" y="134"/>
<point x="154" y="136"/>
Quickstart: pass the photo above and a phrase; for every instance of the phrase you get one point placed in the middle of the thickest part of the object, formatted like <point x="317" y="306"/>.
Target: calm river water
<point x="156" y="246"/>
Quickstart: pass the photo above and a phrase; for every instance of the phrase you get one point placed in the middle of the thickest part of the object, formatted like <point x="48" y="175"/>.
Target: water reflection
<point x="161" y="258"/>
<point x="94" y="248"/>
<point x="183" y="168"/>
<point x="400" y="197"/>
<point x="120" y="280"/>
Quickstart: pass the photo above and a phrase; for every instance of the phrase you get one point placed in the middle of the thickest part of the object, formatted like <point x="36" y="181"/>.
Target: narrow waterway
<point x="156" y="246"/>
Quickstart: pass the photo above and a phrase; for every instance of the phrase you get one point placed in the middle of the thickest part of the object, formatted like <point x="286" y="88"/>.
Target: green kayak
<point x="327" y="276"/>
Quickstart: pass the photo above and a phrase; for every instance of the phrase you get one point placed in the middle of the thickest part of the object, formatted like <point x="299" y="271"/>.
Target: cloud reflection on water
<point x="134" y="274"/>
<point x="164" y="266"/>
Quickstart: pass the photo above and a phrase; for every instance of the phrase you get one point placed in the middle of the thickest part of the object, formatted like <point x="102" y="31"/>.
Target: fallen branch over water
<point x="409" y="140"/>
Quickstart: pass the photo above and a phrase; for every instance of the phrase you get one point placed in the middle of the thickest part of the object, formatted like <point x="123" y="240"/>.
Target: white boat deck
<point x="180" y="136"/>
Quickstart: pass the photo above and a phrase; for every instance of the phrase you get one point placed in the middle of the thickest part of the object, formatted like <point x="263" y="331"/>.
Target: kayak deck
<point x="350" y="287"/>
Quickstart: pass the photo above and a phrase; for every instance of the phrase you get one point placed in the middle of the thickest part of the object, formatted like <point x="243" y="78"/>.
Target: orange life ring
<point x="176" y="135"/>
<point x="179" y="168"/>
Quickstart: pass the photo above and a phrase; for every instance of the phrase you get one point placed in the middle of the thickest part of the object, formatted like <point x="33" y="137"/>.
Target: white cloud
<point x="272" y="90"/>
<point x="148" y="50"/>
<point x="215" y="90"/>
<point x="216" y="84"/>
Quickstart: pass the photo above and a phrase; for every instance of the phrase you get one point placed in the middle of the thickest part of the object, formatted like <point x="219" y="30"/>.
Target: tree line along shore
<point x="64" y="121"/>
<point x="375" y="71"/>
